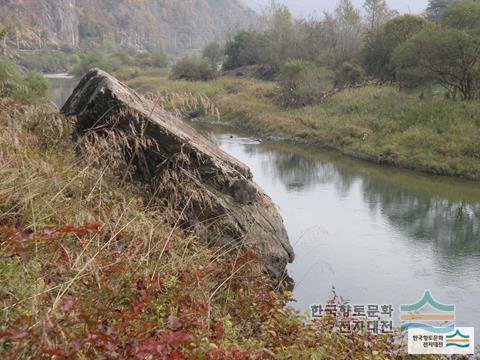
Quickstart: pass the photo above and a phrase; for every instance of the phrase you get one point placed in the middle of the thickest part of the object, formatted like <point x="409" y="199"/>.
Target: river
<point x="377" y="235"/>
<point x="60" y="87"/>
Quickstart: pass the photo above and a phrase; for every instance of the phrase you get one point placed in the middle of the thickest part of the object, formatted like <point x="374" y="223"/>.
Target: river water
<point x="377" y="235"/>
<point x="60" y="87"/>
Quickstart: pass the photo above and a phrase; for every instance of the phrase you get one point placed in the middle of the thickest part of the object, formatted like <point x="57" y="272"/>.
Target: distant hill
<point x="174" y="25"/>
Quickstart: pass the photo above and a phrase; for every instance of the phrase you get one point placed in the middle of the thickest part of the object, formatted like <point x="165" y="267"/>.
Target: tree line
<point x="312" y="56"/>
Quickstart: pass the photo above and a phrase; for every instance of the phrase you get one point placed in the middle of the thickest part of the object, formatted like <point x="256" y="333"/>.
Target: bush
<point x="37" y="85"/>
<point x="194" y="69"/>
<point x="128" y="73"/>
<point x="49" y="62"/>
<point x="247" y="48"/>
<point x="349" y="74"/>
<point x="29" y="89"/>
<point x="105" y="62"/>
<point x="303" y="83"/>
<point x="154" y="60"/>
<point x="214" y="53"/>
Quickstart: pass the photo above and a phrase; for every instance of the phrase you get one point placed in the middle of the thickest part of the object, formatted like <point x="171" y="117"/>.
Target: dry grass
<point x="90" y="269"/>
<point x="185" y="104"/>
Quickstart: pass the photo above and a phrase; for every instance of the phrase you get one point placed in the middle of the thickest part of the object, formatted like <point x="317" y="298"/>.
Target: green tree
<point x="280" y="37"/>
<point x="448" y="53"/>
<point x="214" y="53"/>
<point x="463" y="15"/>
<point x="436" y="8"/>
<point x="449" y="56"/>
<point x="348" y="31"/>
<point x="377" y="13"/>
<point x="247" y="48"/>
<point x="380" y="45"/>
<point x="9" y="71"/>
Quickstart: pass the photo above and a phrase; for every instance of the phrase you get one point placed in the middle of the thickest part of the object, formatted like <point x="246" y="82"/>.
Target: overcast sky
<point x="307" y="7"/>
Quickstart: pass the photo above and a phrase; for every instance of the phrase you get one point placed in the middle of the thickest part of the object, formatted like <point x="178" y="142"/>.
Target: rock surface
<point x="213" y="191"/>
<point x="126" y="24"/>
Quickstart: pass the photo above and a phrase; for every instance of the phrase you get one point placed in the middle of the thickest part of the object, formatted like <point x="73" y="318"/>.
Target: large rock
<point x="212" y="191"/>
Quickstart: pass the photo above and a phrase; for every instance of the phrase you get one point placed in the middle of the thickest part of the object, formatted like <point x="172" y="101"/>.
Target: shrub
<point x="96" y="60"/>
<point x="49" y="62"/>
<point x="247" y="48"/>
<point x="37" y="85"/>
<point x="128" y="73"/>
<point x="214" y="53"/>
<point x="154" y="59"/>
<point x="303" y="83"/>
<point x="194" y="69"/>
<point x="29" y="89"/>
<point x="348" y="74"/>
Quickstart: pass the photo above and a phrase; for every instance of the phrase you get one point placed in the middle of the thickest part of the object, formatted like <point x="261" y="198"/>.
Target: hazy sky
<point x="307" y="7"/>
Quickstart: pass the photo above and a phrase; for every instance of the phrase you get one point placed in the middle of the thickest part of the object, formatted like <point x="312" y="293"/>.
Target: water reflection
<point x="379" y="235"/>
<point x="454" y="226"/>
<point x="60" y="87"/>
<point x="299" y="172"/>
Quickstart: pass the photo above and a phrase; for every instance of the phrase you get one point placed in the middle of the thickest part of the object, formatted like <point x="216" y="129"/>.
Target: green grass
<point x="379" y="124"/>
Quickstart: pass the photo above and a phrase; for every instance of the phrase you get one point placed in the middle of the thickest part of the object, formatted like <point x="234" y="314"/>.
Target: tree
<point x="449" y="55"/>
<point x="280" y="36"/>
<point x="246" y="48"/>
<point x="214" y="53"/>
<point x="380" y="45"/>
<point x="463" y="15"/>
<point x="436" y="9"/>
<point x="348" y="26"/>
<point x="377" y="13"/>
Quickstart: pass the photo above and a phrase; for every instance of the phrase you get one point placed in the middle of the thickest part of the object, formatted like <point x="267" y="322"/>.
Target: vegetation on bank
<point x="90" y="268"/>
<point x="124" y="65"/>
<point x="49" y="62"/>
<point x="28" y="87"/>
<point x="377" y="123"/>
<point x="398" y="90"/>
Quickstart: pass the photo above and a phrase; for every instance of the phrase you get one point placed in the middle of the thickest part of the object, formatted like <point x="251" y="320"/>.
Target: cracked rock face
<point x="213" y="191"/>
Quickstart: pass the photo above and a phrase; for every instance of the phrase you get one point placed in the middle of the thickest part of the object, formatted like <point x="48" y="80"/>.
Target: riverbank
<point x="378" y="124"/>
<point x="89" y="269"/>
